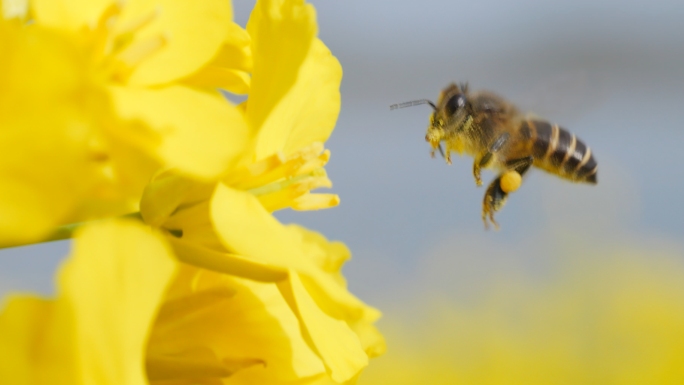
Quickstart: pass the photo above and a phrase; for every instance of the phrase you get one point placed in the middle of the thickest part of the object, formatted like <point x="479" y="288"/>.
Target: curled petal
<point x="252" y="326"/>
<point x="162" y="196"/>
<point x="337" y="345"/>
<point x="231" y="66"/>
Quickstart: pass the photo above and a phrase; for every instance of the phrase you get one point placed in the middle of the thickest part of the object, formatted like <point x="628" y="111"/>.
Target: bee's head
<point x="450" y="115"/>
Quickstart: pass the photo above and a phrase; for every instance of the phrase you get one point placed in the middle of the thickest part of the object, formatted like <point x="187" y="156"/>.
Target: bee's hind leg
<point x="494" y="200"/>
<point x="498" y="190"/>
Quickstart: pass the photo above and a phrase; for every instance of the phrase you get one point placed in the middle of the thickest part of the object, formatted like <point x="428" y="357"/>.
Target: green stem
<point x="67" y="231"/>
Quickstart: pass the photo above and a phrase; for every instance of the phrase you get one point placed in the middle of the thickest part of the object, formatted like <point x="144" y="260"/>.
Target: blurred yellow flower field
<point x="612" y="316"/>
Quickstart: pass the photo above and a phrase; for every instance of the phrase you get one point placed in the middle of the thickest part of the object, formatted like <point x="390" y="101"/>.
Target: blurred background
<point x="577" y="274"/>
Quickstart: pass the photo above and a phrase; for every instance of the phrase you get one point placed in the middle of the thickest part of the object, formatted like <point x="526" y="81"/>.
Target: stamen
<point x="133" y="26"/>
<point x="102" y="42"/>
<point x="286" y="197"/>
<point x="315" y="202"/>
<point x="277" y="167"/>
<point x="282" y="185"/>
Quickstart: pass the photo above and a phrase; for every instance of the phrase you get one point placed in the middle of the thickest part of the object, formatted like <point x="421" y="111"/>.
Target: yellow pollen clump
<point x="510" y="181"/>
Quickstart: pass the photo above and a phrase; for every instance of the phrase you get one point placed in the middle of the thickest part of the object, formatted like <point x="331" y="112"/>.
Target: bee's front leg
<point x="446" y="153"/>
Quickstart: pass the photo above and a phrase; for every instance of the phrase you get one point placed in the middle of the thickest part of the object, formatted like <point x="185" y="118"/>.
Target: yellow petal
<point x="282" y="32"/>
<point x="243" y="225"/>
<point x="310" y="109"/>
<point x="231" y="67"/>
<point x="191" y="364"/>
<point x="307" y="110"/>
<point x="45" y="129"/>
<point x="96" y="329"/>
<point x="253" y="324"/>
<point x="226" y="263"/>
<point x="115" y="280"/>
<point x="236" y="52"/>
<point x="70" y="15"/>
<point x="324" y="282"/>
<point x="211" y="76"/>
<point x="202" y="134"/>
<point x="194" y="32"/>
<point x="27" y="343"/>
<point x="162" y="196"/>
<point x="328" y="256"/>
<point x="335" y="342"/>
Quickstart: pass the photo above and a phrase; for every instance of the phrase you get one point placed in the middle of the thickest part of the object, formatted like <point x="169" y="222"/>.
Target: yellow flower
<point x="115" y="310"/>
<point x="254" y="301"/>
<point x="227" y="227"/>
<point x="290" y="327"/>
<point x="96" y="329"/>
<point x="95" y="96"/>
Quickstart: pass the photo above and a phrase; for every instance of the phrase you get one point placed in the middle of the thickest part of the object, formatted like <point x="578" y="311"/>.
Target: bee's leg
<point x="476" y="173"/>
<point x="494" y="200"/>
<point x="487" y="157"/>
<point x="498" y="190"/>
<point x="521" y="165"/>
<point x="441" y="151"/>
<point x="446" y="153"/>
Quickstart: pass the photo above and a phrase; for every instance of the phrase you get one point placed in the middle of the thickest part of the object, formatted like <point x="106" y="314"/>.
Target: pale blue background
<point x="610" y="71"/>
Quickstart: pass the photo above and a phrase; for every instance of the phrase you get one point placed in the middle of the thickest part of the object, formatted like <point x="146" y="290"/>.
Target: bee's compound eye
<point x="454" y="103"/>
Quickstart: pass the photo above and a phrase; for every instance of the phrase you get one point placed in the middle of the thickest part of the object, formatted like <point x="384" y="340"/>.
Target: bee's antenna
<point x="413" y="103"/>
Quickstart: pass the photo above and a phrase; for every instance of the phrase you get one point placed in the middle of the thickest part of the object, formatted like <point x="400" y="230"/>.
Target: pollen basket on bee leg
<point x="510" y="181"/>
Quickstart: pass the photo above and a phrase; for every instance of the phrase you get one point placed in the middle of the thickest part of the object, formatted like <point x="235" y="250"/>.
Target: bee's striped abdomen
<point x="560" y="152"/>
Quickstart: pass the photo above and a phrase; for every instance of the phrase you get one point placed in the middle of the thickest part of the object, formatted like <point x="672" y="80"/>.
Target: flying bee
<point x="493" y="131"/>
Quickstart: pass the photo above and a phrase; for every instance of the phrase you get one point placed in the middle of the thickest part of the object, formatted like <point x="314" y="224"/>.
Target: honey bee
<point x="493" y="131"/>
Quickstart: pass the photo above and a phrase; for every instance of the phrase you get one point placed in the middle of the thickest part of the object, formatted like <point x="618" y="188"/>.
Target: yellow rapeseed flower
<point x="227" y="226"/>
<point x="253" y="300"/>
<point x="95" y="96"/>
